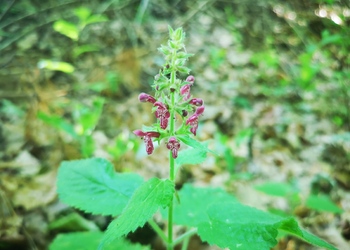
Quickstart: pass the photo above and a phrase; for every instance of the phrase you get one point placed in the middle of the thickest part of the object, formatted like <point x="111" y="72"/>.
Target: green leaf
<point x="58" y="122"/>
<point x="93" y="186"/>
<point x="322" y="203"/>
<point x="183" y="69"/>
<point x="53" y="65"/>
<point x="66" y="28"/>
<point x="191" y="211"/>
<point x="73" y="222"/>
<point x="191" y="156"/>
<point x="96" y="19"/>
<point x="90" y="241"/>
<point x="78" y="50"/>
<point x="82" y="13"/>
<point x="194" y="144"/>
<point x="276" y="188"/>
<point x="237" y="226"/>
<point x="143" y="204"/>
<point x="171" y="31"/>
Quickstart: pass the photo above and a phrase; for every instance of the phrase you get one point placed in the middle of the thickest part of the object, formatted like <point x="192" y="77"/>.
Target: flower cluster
<point x="172" y="99"/>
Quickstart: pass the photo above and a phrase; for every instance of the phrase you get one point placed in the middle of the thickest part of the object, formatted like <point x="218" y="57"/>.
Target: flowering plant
<point x="212" y="213"/>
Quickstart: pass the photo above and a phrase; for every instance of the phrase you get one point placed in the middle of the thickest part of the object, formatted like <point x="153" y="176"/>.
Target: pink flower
<point x="190" y="79"/>
<point x="200" y="110"/>
<point x="143" y="97"/>
<point x="196" y="102"/>
<point x="193" y="122"/>
<point x="147" y="137"/>
<point x="185" y="91"/>
<point x="174" y="146"/>
<point x="162" y="113"/>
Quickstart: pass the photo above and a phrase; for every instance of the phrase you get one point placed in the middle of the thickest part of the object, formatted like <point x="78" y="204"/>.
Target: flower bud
<point x="143" y="97"/>
<point x="185" y="91"/>
<point x="200" y="110"/>
<point x="196" y="101"/>
<point x="190" y="79"/>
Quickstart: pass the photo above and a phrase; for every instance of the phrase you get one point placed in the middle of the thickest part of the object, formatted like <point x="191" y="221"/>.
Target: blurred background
<point x="274" y="76"/>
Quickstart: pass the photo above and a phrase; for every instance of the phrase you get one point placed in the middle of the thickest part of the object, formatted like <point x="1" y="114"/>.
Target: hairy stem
<point x="172" y="166"/>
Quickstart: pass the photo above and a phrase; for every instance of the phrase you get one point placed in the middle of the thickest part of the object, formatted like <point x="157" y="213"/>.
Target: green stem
<point x="172" y="166"/>
<point x="185" y="236"/>
<point x="158" y="230"/>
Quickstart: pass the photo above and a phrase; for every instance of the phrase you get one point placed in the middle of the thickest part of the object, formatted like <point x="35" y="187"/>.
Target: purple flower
<point x="147" y="137"/>
<point x="185" y="91"/>
<point x="143" y="97"/>
<point x="190" y="79"/>
<point x="200" y="110"/>
<point x="193" y="122"/>
<point x="196" y="101"/>
<point x="174" y="146"/>
<point x="162" y="113"/>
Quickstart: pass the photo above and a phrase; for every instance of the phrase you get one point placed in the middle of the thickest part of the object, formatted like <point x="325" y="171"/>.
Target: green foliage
<point x="217" y="57"/>
<point x="147" y="199"/>
<point x="10" y="110"/>
<point x="110" y="83"/>
<point x="276" y="189"/>
<point x="322" y="203"/>
<point x="90" y="241"/>
<point x="93" y="186"/>
<point x="236" y="226"/>
<point x="66" y="28"/>
<point x="191" y="156"/>
<point x="85" y="120"/>
<point x="55" y="65"/>
<point x="58" y="122"/>
<point x="73" y="222"/>
<point x="123" y="143"/>
<point x="73" y="30"/>
<point x="194" y="144"/>
<point x="191" y="209"/>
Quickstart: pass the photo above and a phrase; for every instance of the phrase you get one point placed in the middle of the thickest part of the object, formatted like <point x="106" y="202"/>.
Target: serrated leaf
<point x="191" y="156"/>
<point x="191" y="211"/>
<point x="90" y="241"/>
<point x="147" y="199"/>
<point x="93" y="186"/>
<point x="237" y="226"/>
<point x="194" y="144"/>
<point x="322" y="203"/>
